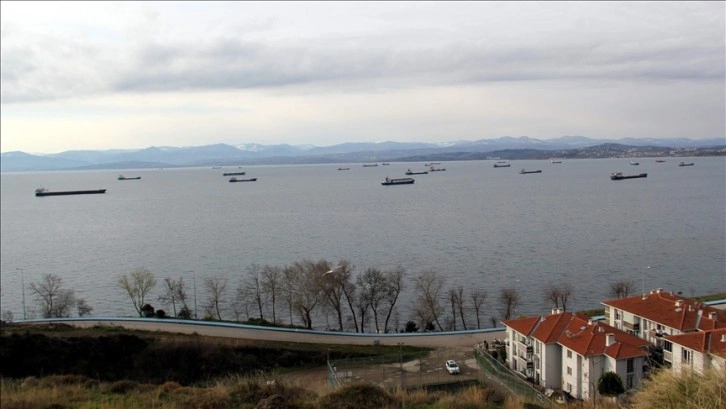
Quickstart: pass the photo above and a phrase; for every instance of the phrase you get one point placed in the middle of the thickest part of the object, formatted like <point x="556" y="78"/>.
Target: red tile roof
<point x="522" y="325"/>
<point x="672" y="311"/>
<point x="580" y="335"/>
<point x="552" y="326"/>
<point x="713" y="341"/>
<point x="590" y="339"/>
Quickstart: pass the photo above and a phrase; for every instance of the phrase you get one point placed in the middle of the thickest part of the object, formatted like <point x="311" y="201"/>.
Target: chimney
<point x="658" y="290"/>
<point x="712" y="315"/>
<point x="690" y="307"/>
<point x="679" y="303"/>
<point x="723" y="337"/>
<point x="609" y="339"/>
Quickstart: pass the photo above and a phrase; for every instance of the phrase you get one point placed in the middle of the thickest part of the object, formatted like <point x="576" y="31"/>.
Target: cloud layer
<point x="72" y="51"/>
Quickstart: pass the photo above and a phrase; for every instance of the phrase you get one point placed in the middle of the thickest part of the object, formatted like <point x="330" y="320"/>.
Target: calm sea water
<point x="479" y="226"/>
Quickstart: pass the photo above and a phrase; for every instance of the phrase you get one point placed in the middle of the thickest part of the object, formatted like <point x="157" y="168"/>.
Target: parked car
<point x="452" y="367"/>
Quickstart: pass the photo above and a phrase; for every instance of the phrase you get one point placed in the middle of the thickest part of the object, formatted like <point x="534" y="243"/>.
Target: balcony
<point x="668" y="356"/>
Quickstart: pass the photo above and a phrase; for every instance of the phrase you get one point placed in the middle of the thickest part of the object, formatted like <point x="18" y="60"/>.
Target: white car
<point x="452" y="367"/>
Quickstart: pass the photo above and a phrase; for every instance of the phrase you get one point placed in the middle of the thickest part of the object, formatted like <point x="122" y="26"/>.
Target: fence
<point x="498" y="374"/>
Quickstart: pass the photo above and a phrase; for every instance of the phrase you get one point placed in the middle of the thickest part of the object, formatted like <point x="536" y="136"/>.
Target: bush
<point x="411" y="327"/>
<point x="610" y="384"/>
<point x="358" y="396"/>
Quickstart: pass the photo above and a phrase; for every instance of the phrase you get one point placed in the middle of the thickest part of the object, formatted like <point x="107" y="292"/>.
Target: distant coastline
<point x="228" y="155"/>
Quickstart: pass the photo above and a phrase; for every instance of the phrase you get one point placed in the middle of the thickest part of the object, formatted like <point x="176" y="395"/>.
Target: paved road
<point x="209" y="328"/>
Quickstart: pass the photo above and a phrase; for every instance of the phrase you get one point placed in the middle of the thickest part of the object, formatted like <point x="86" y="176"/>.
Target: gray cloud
<point x="42" y="66"/>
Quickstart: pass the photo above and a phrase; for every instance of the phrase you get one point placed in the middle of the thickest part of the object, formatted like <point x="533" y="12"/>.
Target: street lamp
<point x="22" y="283"/>
<point x="194" y="282"/>
<point x="332" y="271"/>
<point x="642" y="274"/>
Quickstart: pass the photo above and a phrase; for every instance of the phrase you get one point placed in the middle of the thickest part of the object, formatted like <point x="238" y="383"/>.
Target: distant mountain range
<point x="251" y="154"/>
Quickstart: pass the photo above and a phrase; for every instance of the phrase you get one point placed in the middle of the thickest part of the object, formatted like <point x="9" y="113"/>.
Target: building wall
<point x="571" y="372"/>
<point x="552" y="366"/>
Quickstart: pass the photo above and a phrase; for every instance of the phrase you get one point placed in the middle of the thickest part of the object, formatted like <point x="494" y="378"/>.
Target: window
<point x="629" y="382"/>
<point x="569" y="388"/>
<point x="686" y="356"/>
<point x="569" y="353"/>
<point x="569" y="370"/>
<point x="668" y="346"/>
<point x="631" y="365"/>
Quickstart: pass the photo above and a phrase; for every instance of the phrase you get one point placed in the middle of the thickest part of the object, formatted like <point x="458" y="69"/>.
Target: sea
<point x="478" y="227"/>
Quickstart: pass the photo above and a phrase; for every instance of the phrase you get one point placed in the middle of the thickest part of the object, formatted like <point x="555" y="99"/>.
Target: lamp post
<point x="194" y="283"/>
<point x="643" y="279"/>
<point x="22" y="284"/>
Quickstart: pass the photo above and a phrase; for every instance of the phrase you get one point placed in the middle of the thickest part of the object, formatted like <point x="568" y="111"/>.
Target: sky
<point x="129" y="75"/>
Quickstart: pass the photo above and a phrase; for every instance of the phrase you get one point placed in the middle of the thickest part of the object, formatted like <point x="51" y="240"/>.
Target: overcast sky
<point x="103" y="75"/>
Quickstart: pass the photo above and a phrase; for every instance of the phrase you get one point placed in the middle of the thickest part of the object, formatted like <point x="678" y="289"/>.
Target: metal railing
<point x="500" y="376"/>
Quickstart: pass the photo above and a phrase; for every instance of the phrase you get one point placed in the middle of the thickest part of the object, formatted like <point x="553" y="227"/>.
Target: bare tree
<point x="373" y="287"/>
<point x="333" y="284"/>
<point x="138" y="286"/>
<point x="394" y="287"/>
<point x="83" y="307"/>
<point x="216" y="287"/>
<point x="460" y="304"/>
<point x="173" y="293"/>
<point x="453" y="301"/>
<point x="251" y="288"/>
<point x="290" y="288"/>
<point x="306" y="293"/>
<point x="509" y="300"/>
<point x="53" y="299"/>
<point x="552" y="295"/>
<point x="565" y="293"/>
<point x="271" y="277"/>
<point x="478" y="297"/>
<point x="622" y="288"/>
<point x="428" y="286"/>
<point x="350" y="292"/>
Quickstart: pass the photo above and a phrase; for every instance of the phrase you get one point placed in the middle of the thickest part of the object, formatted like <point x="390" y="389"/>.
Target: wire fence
<point x="500" y="376"/>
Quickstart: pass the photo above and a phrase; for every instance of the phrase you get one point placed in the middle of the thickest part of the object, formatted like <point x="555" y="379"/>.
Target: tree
<point x="138" y="286"/>
<point x="216" y="287"/>
<point x="429" y="285"/>
<point x="509" y="301"/>
<point x="304" y="287"/>
<point x="610" y="384"/>
<point x="411" y="327"/>
<point x="460" y="305"/>
<point x="83" y="308"/>
<point x="453" y="302"/>
<point x="271" y="277"/>
<point x="173" y="293"/>
<point x="559" y="295"/>
<point x="251" y="288"/>
<point x="394" y="287"/>
<point x="622" y="288"/>
<point x="333" y="284"/>
<point x="53" y="299"/>
<point x="478" y="297"/>
<point x="373" y="286"/>
<point x="148" y="311"/>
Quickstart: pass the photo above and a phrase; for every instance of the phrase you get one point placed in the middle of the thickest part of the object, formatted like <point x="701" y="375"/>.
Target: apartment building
<point x="684" y="328"/>
<point x="564" y="351"/>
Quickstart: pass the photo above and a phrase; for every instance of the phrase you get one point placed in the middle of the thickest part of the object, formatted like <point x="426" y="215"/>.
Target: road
<point x="216" y="329"/>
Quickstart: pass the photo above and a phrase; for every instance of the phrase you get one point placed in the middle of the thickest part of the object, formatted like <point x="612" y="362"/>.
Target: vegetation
<point x="220" y="388"/>
<point x="610" y="384"/>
